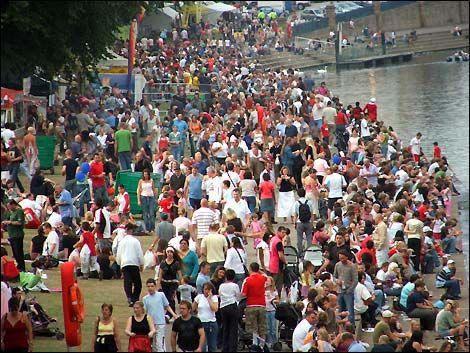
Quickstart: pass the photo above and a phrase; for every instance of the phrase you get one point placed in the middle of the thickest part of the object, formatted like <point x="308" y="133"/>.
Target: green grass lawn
<point x="95" y="293"/>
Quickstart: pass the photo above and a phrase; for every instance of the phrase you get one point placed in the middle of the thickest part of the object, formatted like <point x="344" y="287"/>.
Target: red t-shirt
<point x="253" y="289"/>
<point x="96" y="171"/>
<point x="89" y="239"/>
<point x="266" y="189"/>
<point x="249" y="103"/>
<point x="325" y="132"/>
<point x="166" y="204"/>
<point x="341" y="118"/>
<point x="437" y="152"/>
<point x="356" y="112"/>
<point x="372" y="111"/>
<point x="371" y="252"/>
<point x="163" y="144"/>
<point x="422" y="212"/>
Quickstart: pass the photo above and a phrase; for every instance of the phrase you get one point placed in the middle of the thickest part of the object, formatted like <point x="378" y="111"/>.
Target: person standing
<point x="346" y="276"/>
<point x="156" y="303"/>
<point x="193" y="188"/>
<point x="16" y="158"/>
<point x="213" y="247"/>
<point x="140" y="329"/>
<point x="201" y="221"/>
<point x="229" y="293"/>
<point x="380" y="240"/>
<point x="277" y="259"/>
<point x="303" y="220"/>
<point x="31" y="150"/>
<point x="123" y="146"/>
<point x="105" y="336"/>
<point x="131" y="260"/>
<point x="253" y="289"/>
<point x="69" y="169"/>
<point x="415" y="145"/>
<point x="65" y="204"/>
<point x="15" y="221"/>
<point x="169" y="275"/>
<point x="17" y="331"/>
<point x="206" y="305"/>
<point x="98" y="181"/>
<point x="187" y="331"/>
<point x="146" y="194"/>
<point x="414" y="231"/>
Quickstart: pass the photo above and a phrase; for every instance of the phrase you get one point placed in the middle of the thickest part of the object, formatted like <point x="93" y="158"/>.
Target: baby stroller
<point x="245" y="339"/>
<point x="40" y="320"/>
<point x="288" y="318"/>
<point x="314" y="254"/>
<point x="292" y="259"/>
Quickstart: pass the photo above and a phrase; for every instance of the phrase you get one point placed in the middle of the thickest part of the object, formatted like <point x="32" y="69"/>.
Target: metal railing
<point x="317" y="47"/>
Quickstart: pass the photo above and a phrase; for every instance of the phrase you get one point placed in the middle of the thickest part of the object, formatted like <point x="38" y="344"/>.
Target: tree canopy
<point x="48" y="37"/>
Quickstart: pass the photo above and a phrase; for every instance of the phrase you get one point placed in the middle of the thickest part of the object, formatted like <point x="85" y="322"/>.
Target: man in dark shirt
<point x="177" y="180"/>
<point x="147" y="147"/>
<point x="418" y="307"/>
<point x="335" y="248"/>
<point x="291" y="130"/>
<point x="142" y="163"/>
<point x="69" y="168"/>
<point x="16" y="158"/>
<point x="187" y="331"/>
<point x="205" y="147"/>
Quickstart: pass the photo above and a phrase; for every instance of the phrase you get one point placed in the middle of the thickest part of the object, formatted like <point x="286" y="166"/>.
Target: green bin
<point x="46" y="148"/>
<point x="130" y="180"/>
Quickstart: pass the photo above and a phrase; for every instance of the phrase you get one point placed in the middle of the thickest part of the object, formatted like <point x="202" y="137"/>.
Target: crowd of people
<point x="263" y="148"/>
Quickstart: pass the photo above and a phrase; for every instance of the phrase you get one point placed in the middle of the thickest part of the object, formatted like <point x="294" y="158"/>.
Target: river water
<point x="427" y="95"/>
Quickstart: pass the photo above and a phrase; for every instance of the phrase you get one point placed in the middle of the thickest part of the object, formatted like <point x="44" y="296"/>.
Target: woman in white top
<point x="249" y="190"/>
<point x="236" y="260"/>
<point x="146" y="198"/>
<point x="229" y="293"/>
<point x="181" y="222"/>
<point x="353" y="145"/>
<point x="321" y="166"/>
<point x="220" y="149"/>
<point x="206" y="305"/>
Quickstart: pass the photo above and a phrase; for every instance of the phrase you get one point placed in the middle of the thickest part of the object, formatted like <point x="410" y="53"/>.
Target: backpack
<point x="305" y="215"/>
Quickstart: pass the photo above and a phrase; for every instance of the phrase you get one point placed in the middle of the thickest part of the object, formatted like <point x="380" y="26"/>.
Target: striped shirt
<point x="203" y="218"/>
<point x="442" y="276"/>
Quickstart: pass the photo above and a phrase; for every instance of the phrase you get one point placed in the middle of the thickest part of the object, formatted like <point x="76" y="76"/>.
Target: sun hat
<point x="387" y="313"/>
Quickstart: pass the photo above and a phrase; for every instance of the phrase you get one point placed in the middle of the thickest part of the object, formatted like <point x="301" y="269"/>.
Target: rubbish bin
<point x="130" y="180"/>
<point x="46" y="148"/>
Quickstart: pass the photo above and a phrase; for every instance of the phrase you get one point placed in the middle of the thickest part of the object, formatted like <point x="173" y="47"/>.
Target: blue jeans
<point x="316" y="123"/>
<point x="148" y="212"/>
<point x="101" y="193"/>
<point x="183" y="144"/>
<point x="125" y="160"/>
<point x="379" y="299"/>
<point x="211" y="329"/>
<point x="448" y="245"/>
<point x="176" y="152"/>
<point x="355" y="156"/>
<point x="271" y="324"/>
<point x="14" y="171"/>
<point x="393" y="292"/>
<point x="251" y="201"/>
<point x="346" y="302"/>
<point x="453" y="287"/>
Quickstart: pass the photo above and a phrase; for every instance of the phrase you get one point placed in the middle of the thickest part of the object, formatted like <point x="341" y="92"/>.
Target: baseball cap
<point x="451" y="262"/>
<point x="427" y="229"/>
<point x="387" y="313"/>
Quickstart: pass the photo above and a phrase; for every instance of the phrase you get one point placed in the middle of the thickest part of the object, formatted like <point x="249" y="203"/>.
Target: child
<point x="102" y="139"/>
<point x="436" y="151"/>
<point x="325" y="132"/>
<point x="185" y="290"/>
<point x="271" y="297"/>
<point x="166" y="204"/>
<point x="182" y="202"/>
<point x="306" y="278"/>
<point x="123" y="200"/>
<point x="262" y="250"/>
<point x="88" y="250"/>
<point x="320" y="237"/>
<point x="256" y="229"/>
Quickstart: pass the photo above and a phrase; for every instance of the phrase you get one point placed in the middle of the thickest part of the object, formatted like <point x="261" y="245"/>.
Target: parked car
<point x="302" y="4"/>
<point x="313" y="14"/>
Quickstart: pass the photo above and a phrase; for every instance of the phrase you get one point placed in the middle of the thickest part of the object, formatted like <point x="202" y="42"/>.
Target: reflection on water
<point x="426" y="96"/>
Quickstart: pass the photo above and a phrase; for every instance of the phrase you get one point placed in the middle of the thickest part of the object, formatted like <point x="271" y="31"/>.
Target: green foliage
<point x="48" y="37"/>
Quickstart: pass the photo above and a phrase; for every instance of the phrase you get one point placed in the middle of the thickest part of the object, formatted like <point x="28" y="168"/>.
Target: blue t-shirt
<point x="200" y="281"/>
<point x="405" y="292"/>
<point x="181" y="125"/>
<point x="66" y="210"/>
<point x="357" y="347"/>
<point x="155" y="305"/>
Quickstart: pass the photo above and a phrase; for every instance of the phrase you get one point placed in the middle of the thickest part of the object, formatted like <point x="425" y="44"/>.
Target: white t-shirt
<point x="263" y="245"/>
<point x="7" y="134"/>
<point x="381" y="275"/>
<point x="402" y="177"/>
<point x="299" y="335"/>
<point x="107" y="228"/>
<point x="54" y="219"/>
<point x="318" y="111"/>
<point x="320" y="165"/>
<point x="240" y="208"/>
<point x="361" y="293"/>
<point x="213" y="188"/>
<point x="204" y="312"/>
<point x="175" y="242"/>
<point x="364" y="128"/>
<point x="335" y="183"/>
<point x="329" y="113"/>
<point x="228" y="293"/>
<point x="415" y="146"/>
<point x="181" y="223"/>
<point x="52" y="238"/>
<point x="222" y="153"/>
<point x="248" y="187"/>
<point x="232" y="261"/>
<point x="233" y="177"/>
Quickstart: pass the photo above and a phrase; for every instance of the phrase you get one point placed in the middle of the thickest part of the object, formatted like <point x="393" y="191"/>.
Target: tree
<point x="48" y="37"/>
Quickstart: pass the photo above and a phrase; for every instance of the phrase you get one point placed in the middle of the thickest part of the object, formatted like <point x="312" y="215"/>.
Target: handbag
<point x="241" y="260"/>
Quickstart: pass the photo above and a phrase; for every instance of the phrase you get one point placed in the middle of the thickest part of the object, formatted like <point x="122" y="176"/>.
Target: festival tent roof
<point x="212" y="10"/>
<point x="161" y="19"/>
<point x="115" y="60"/>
